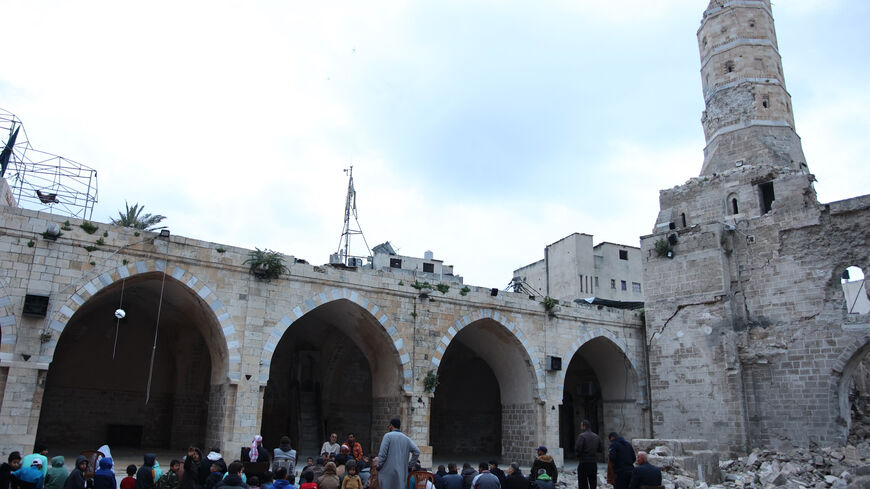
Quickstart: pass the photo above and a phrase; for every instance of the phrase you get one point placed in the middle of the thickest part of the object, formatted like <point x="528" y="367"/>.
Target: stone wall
<point x="519" y="432"/>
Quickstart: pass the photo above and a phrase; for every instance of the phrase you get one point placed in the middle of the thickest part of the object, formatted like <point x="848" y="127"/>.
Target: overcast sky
<point x="480" y="130"/>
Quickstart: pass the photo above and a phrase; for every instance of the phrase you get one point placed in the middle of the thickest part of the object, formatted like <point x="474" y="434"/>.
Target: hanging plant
<point x="550" y="303"/>
<point x="265" y="264"/>
<point x="464" y="291"/>
<point x="443" y="288"/>
<point x="662" y="247"/>
<point x="430" y="382"/>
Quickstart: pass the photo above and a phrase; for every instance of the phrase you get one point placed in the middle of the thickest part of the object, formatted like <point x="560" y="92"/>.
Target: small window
<point x="623" y="254"/>
<point x="612" y="283"/>
<point x="765" y="102"/>
<point x="596" y="282"/>
<point x="429" y="267"/>
<point x="752" y="23"/>
<point x="765" y="192"/>
<point x="395" y="263"/>
<point x="734" y="209"/>
<point x="854" y="291"/>
<point x="704" y="40"/>
<point x="683" y="218"/>
<point x="729" y="67"/>
<point x="623" y="285"/>
<point x="581" y="283"/>
<point x="635" y="287"/>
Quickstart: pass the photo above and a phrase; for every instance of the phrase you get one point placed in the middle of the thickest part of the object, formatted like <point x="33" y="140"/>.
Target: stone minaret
<point x="748" y="118"/>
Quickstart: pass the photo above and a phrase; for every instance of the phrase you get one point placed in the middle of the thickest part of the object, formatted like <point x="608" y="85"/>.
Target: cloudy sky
<point x="479" y="130"/>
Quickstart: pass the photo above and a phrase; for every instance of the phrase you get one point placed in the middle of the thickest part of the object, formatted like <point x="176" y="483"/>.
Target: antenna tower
<point x="343" y="253"/>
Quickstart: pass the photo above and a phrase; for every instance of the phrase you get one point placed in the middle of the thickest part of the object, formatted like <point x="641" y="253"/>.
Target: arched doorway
<point x="600" y="386"/>
<point x="92" y="398"/>
<point x="484" y="404"/>
<point x="335" y="370"/>
<point x="854" y="396"/>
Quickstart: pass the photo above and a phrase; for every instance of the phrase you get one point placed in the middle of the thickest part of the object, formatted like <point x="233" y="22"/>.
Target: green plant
<point x="430" y="382"/>
<point x="31" y="243"/>
<point x="550" y="303"/>
<point x="662" y="247"/>
<point x="414" y="314"/>
<point x="50" y="236"/>
<point x="443" y="288"/>
<point x="93" y="263"/>
<point x="100" y="242"/>
<point x="425" y="285"/>
<point x="105" y="234"/>
<point x="220" y="250"/>
<point x="464" y="290"/>
<point x="66" y="226"/>
<point x="401" y="283"/>
<point x="132" y="217"/>
<point x="88" y="227"/>
<point x="265" y="264"/>
<point x="125" y="261"/>
<point x="90" y="248"/>
<point x="136" y="233"/>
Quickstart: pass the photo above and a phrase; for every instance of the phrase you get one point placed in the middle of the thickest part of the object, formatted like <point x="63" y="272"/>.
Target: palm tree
<point x="133" y="218"/>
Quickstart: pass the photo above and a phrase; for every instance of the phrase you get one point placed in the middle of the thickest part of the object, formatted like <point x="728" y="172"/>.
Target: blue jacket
<point x="621" y="454"/>
<point x="29" y="477"/>
<point x="104" y="477"/>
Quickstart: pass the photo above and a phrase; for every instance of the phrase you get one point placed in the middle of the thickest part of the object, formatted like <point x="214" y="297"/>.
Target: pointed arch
<point x="843" y="368"/>
<point x="331" y="295"/>
<point x="59" y="319"/>
<point x="618" y="343"/>
<point x="511" y="327"/>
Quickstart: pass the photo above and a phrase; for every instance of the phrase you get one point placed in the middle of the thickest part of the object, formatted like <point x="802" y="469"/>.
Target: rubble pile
<point x="816" y="468"/>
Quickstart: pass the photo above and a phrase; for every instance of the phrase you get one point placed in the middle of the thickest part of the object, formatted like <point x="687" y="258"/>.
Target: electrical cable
<point x="156" y="329"/>
<point x="118" y="319"/>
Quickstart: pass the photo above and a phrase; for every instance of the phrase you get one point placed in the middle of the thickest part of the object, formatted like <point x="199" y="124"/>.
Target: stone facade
<point x="242" y="337"/>
<point x="750" y="343"/>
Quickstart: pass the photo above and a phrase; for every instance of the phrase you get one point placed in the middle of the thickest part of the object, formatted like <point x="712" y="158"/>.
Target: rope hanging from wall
<point x="119" y="314"/>
<point x="154" y="346"/>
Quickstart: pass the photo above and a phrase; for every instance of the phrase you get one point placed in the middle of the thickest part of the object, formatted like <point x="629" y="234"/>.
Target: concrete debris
<point x="813" y="468"/>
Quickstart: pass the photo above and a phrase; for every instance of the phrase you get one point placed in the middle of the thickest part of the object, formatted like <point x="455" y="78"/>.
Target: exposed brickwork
<point x="520" y="434"/>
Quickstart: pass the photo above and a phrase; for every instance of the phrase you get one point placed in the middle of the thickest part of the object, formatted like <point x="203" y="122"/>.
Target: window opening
<point x="765" y="102"/>
<point x="635" y="287"/>
<point x="854" y="291"/>
<point x="729" y="67"/>
<point x="734" y="206"/>
<point x="623" y="254"/>
<point x="683" y="218"/>
<point x="596" y="282"/>
<point x="612" y="283"/>
<point x="395" y="263"/>
<point x="623" y="285"/>
<point x="767" y="197"/>
<point x="429" y="267"/>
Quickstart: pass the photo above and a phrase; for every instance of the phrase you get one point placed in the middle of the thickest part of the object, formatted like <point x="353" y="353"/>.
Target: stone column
<point x="22" y="401"/>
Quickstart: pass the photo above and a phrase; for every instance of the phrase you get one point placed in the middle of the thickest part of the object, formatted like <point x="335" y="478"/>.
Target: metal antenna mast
<point x="350" y="209"/>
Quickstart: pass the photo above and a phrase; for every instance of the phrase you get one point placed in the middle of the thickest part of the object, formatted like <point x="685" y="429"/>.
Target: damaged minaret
<point x="750" y="342"/>
<point x="748" y="118"/>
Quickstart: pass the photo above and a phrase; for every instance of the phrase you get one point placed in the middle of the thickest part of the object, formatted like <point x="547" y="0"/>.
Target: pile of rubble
<point x="816" y="468"/>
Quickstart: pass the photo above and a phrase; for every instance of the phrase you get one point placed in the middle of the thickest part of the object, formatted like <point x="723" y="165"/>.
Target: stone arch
<point x="600" y="381"/>
<point x="335" y="337"/>
<point x="623" y="348"/>
<point x="511" y="328"/>
<point x="8" y="327"/>
<point x="323" y="298"/>
<point x="487" y="358"/>
<point x="231" y="368"/>
<point x="843" y="368"/>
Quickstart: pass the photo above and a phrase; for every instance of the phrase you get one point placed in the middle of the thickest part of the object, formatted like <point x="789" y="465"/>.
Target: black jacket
<point x="76" y="478"/>
<point x="588" y="446"/>
<point x="621" y="454"/>
<point x="515" y="481"/>
<point x="190" y="479"/>
<point x="645" y="474"/>
<point x="544" y="462"/>
<point x="231" y="481"/>
<point x="452" y="481"/>
<point x="498" y="473"/>
<point x="145" y="474"/>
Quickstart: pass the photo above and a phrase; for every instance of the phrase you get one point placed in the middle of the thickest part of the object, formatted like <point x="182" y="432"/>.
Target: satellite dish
<point x="120" y="313"/>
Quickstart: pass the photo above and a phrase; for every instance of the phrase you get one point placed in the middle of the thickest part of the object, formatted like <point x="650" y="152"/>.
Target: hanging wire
<point x="154" y="346"/>
<point x="118" y="319"/>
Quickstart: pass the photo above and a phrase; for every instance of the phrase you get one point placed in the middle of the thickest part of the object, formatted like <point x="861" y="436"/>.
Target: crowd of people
<point x="339" y="466"/>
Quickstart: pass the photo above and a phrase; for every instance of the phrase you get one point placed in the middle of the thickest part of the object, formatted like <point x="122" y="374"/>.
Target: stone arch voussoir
<point x="513" y="329"/>
<point x="599" y="332"/>
<point x="61" y="317"/>
<point x="331" y="295"/>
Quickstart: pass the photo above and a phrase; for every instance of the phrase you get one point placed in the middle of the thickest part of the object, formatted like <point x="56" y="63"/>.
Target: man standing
<point x="331" y="447"/>
<point x="587" y="447"/>
<point x="622" y="456"/>
<point x="645" y="474"/>
<point x="393" y="457"/>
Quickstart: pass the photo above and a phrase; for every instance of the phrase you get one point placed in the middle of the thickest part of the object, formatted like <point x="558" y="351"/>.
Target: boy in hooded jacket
<point x="104" y="477"/>
<point x="57" y="474"/>
<point x="76" y="478"/>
